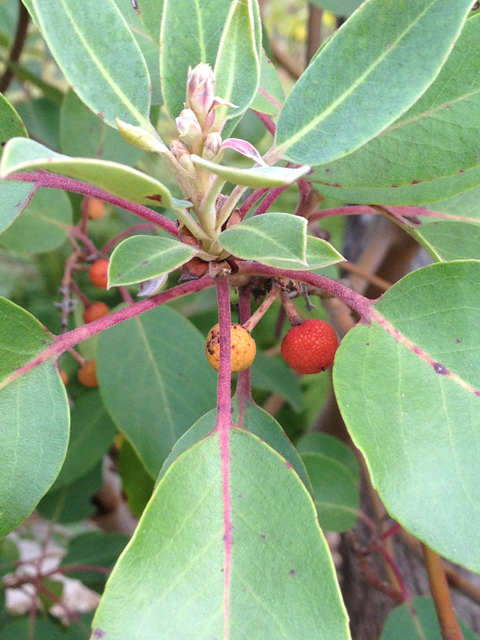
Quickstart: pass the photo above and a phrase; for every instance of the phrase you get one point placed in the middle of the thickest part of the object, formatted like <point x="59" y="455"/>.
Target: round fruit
<point x="95" y="311"/>
<point x="243" y="347"/>
<point x="98" y="273"/>
<point x="310" y="347"/>
<point x="63" y="376"/>
<point x="87" y="374"/>
<point x="95" y="209"/>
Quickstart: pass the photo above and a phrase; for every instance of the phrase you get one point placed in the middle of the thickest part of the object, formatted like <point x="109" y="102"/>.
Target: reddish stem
<point x="356" y="210"/>
<point x="45" y="179"/>
<point x="126" y="295"/>
<point x="243" y="393"/>
<point x="357" y="302"/>
<point x="84" y="220"/>
<point x="269" y="200"/>
<point x="67" y="340"/>
<point x="76" y="233"/>
<point x="252" y="199"/>
<point x="390" y="532"/>
<point x="223" y="425"/>
<point x="126" y="233"/>
<point x="76" y="289"/>
<point x="267" y="121"/>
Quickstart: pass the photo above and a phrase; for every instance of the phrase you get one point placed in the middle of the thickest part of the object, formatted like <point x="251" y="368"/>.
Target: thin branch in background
<point x="284" y="60"/>
<point x="441" y="595"/>
<point x="17" y="47"/>
<point x="126" y="296"/>
<point x="314" y="36"/>
<point x="126" y="234"/>
<point x="83" y="298"/>
<point x="252" y="199"/>
<point x="266" y="120"/>
<point x="269" y="200"/>
<point x="363" y="273"/>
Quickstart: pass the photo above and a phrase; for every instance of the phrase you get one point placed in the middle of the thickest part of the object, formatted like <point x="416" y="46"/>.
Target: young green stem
<point x="207" y="213"/>
<point x="441" y="595"/>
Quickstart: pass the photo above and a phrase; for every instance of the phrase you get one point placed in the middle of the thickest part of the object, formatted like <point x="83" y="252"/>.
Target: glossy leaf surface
<point x="438" y="137"/>
<point x="190" y="34"/>
<point x="43" y="225"/>
<point x="35" y="417"/>
<point x="237" y="67"/>
<point x="144" y="257"/>
<point x="93" y="46"/>
<point x="408" y="389"/>
<point x="195" y="586"/>
<point x="276" y="239"/>
<point x="373" y="69"/>
<point x="155" y="380"/>
<point x="335" y="492"/>
<point x="122" y="181"/>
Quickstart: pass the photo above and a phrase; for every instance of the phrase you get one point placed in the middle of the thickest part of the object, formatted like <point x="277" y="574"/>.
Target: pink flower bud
<point x="213" y="143"/>
<point x="200" y="90"/>
<point x="189" y="127"/>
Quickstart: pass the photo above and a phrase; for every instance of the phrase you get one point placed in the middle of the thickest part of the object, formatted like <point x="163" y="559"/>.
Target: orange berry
<point x="87" y="374"/>
<point x="98" y="273"/>
<point x="63" y="376"/>
<point x="95" y="209"/>
<point x="243" y="347"/>
<point x="310" y="347"/>
<point x="95" y="311"/>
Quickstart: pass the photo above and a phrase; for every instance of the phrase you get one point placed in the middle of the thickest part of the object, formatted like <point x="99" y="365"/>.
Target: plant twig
<point x="314" y="36"/>
<point x="252" y="199"/>
<point x="45" y="179"/>
<point x="441" y="595"/>
<point x="269" y="200"/>
<point x="17" y="47"/>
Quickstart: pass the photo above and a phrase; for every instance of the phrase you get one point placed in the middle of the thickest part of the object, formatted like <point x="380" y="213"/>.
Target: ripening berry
<point x="95" y="311"/>
<point x="87" y="374"/>
<point x="95" y="209"/>
<point x="98" y="273"/>
<point x="63" y="376"/>
<point x="310" y="347"/>
<point x="242" y="345"/>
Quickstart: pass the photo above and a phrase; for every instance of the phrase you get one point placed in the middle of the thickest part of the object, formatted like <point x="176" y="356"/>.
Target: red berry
<point x="95" y="311"/>
<point x="310" y="347"/>
<point x="98" y="274"/>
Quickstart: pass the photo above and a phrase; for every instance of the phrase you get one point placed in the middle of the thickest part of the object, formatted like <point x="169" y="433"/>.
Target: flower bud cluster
<point x="199" y="124"/>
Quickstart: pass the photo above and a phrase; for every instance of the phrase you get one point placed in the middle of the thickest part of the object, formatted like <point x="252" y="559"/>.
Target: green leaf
<point x="273" y="374"/>
<point x="73" y="502"/>
<point x="155" y="380"/>
<point x="438" y="137"/>
<point x="44" y="224"/>
<point x="93" y="46"/>
<point x="91" y="435"/>
<point x="335" y="492"/>
<point x="19" y="629"/>
<point x="82" y="134"/>
<point x="148" y="46"/>
<point x="95" y="548"/>
<point x="339" y="7"/>
<point x="14" y="197"/>
<point x="270" y="95"/>
<point x="151" y="12"/>
<point x="331" y="447"/>
<point x="190" y="34"/>
<point x="370" y="72"/>
<point x="237" y="67"/>
<point x="137" y="483"/>
<point x="122" y="181"/>
<point x="424" y="192"/>
<point x="321" y="254"/>
<point x="257" y="177"/>
<point x="183" y="570"/>
<point x="407" y="386"/>
<point x="255" y="420"/>
<point x="455" y="234"/>
<point x="41" y="116"/>
<point x="141" y="258"/>
<point x="35" y="417"/>
<point x="55" y="587"/>
<point x="11" y="125"/>
<point x="400" y="624"/>
<point x="276" y="239"/>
